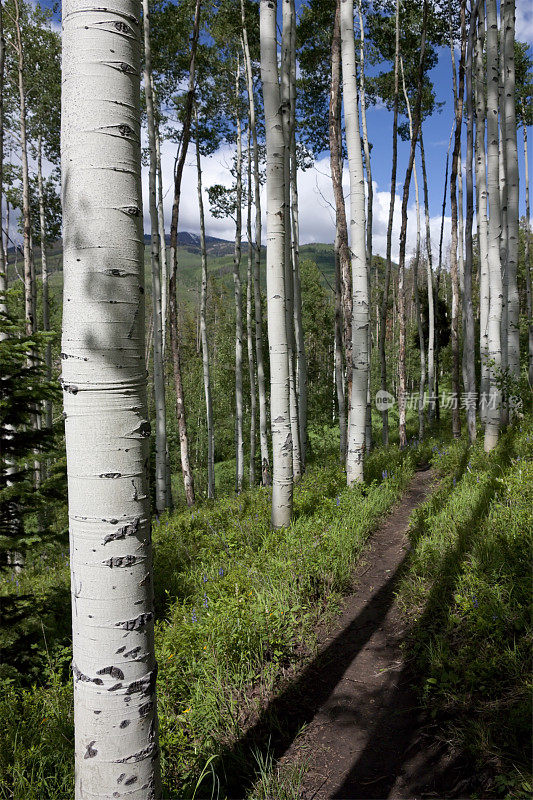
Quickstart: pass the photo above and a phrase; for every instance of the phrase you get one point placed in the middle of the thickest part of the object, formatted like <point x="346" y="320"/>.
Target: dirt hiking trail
<point x="365" y="735"/>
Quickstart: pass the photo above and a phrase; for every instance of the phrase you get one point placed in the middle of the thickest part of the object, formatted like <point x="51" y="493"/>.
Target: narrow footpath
<point x="364" y="735"/>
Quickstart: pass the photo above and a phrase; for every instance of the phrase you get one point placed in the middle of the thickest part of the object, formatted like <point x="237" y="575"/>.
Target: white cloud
<point x="524" y="21"/>
<point x="316" y="204"/>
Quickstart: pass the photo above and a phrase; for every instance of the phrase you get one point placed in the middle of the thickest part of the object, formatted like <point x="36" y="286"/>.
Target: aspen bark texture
<point x="104" y="389"/>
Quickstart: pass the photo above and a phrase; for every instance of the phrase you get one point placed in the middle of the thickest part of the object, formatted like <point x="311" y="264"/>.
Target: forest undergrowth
<point x="237" y="605"/>
<point x="467" y="597"/>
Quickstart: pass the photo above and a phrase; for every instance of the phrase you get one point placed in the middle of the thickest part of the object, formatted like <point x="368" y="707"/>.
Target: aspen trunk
<point x="285" y="75"/>
<point x="469" y="351"/>
<point x="527" y="264"/>
<point x="511" y="151"/>
<point x="492" y="425"/>
<point x="454" y="267"/>
<point x="188" y="480"/>
<point x="29" y="269"/>
<point x="403" y="236"/>
<point x="502" y="176"/>
<point x="301" y="360"/>
<point x="388" y="262"/>
<point x="203" y="336"/>
<point x="339" y="372"/>
<point x="44" y="275"/>
<point x="249" y="320"/>
<point x="162" y="248"/>
<point x="3" y="253"/>
<point x="369" y="216"/>
<point x="282" y="481"/>
<point x="422" y="384"/>
<point x="104" y="389"/>
<point x="336" y="165"/>
<point x="360" y="297"/>
<point x="258" y="312"/>
<point x="239" y="441"/>
<point x="431" y="300"/>
<point x="161" y="481"/>
<point x="482" y="220"/>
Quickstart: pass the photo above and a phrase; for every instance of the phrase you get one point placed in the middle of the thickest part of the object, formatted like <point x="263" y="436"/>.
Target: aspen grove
<point x="265" y="274"/>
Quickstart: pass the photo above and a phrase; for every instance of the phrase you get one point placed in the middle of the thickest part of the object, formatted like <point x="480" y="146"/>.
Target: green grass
<point x="236" y="604"/>
<point x="467" y="597"/>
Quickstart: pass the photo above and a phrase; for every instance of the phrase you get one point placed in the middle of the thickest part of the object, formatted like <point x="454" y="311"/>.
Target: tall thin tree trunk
<point x="282" y="479"/>
<point x="454" y="267"/>
<point x="44" y="274"/>
<point x="104" y="389"/>
<point x="258" y="312"/>
<point x="527" y="259"/>
<point x="3" y="253"/>
<point x="161" y="480"/>
<point x="369" y="215"/>
<point x="162" y="241"/>
<point x="249" y="319"/>
<point x="360" y="294"/>
<point x="418" y="314"/>
<point x="469" y="349"/>
<point x="492" y="424"/>
<point x="239" y="441"/>
<point x="339" y="372"/>
<point x="336" y="164"/>
<point x="301" y="360"/>
<point x="285" y="74"/>
<point x="431" y="299"/>
<point x="388" y="262"/>
<point x="502" y="176"/>
<point x="403" y="236"/>
<point x="482" y="220"/>
<point x="172" y="288"/>
<point x="511" y="149"/>
<point x="29" y="269"/>
<point x="203" y="333"/>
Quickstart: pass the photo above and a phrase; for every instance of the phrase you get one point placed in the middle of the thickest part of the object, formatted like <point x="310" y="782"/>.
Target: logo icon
<point x="384" y="400"/>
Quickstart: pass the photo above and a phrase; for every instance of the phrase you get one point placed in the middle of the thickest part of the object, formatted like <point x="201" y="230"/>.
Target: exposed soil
<point x="351" y="718"/>
<point x="368" y="738"/>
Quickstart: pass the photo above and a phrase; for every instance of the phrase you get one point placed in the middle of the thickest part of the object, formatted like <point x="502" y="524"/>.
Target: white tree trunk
<point x="492" y="425"/>
<point x="511" y="150"/>
<point x="30" y="304"/>
<point x="527" y="264"/>
<point x="161" y="480"/>
<point x="431" y="300"/>
<point x="104" y="387"/>
<point x="162" y="240"/>
<point x="369" y="217"/>
<point x="469" y="350"/>
<point x="422" y="384"/>
<point x="282" y="483"/>
<point x="239" y="441"/>
<point x="339" y="367"/>
<point x="301" y="359"/>
<point x="3" y="252"/>
<point x="249" y="319"/>
<point x="203" y="335"/>
<point x="44" y="276"/>
<point x="286" y="115"/>
<point x="258" y="313"/>
<point x="502" y="176"/>
<point x="360" y="299"/>
<point x="482" y="220"/>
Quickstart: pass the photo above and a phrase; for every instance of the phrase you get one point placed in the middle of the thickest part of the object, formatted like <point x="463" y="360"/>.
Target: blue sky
<point x="316" y="200"/>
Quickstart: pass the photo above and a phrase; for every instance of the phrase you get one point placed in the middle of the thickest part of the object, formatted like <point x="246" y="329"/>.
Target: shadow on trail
<point x="400" y="728"/>
<point x="396" y="730"/>
<point x="282" y="720"/>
